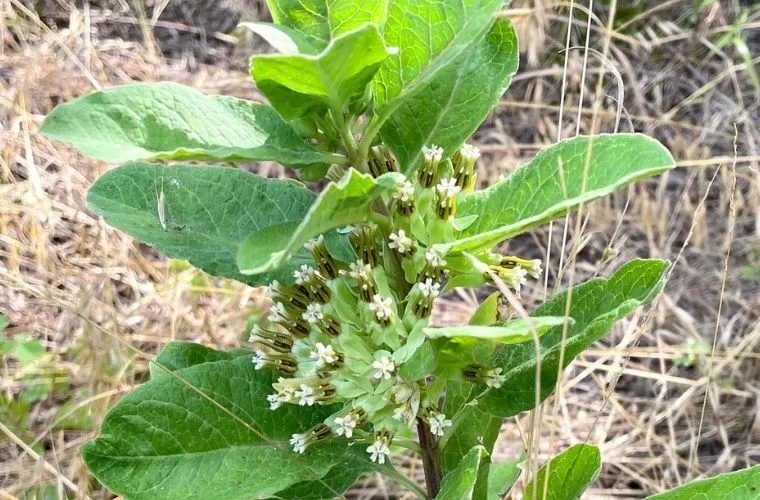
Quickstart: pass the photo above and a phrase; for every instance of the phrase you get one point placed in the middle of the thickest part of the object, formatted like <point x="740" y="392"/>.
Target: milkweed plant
<point x="375" y="100"/>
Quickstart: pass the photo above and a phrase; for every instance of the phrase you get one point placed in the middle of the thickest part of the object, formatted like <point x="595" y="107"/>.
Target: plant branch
<point x="401" y="479"/>
<point x="431" y="459"/>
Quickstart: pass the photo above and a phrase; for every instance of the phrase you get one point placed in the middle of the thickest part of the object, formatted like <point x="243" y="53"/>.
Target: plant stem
<point x="431" y="459"/>
<point x="401" y="479"/>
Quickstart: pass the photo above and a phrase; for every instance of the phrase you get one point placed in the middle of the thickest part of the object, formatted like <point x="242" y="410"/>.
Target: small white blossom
<point x="379" y="451"/>
<point x="404" y="193"/>
<point x="518" y="278"/>
<point x="432" y="153"/>
<point x="384" y="366"/>
<point x="429" y="290"/>
<point x="325" y="355"/>
<point x="382" y="307"/>
<point x="304" y="274"/>
<point x="400" y="242"/>
<point x="313" y="313"/>
<point x="314" y="243"/>
<point x="400" y="413"/>
<point x="298" y="441"/>
<point x="494" y="378"/>
<point x="469" y="152"/>
<point x="259" y="360"/>
<point x="438" y="422"/>
<point x="434" y="258"/>
<point x="346" y="425"/>
<point x="447" y="189"/>
<point x="534" y="268"/>
<point x="306" y="396"/>
<point x="277" y="312"/>
<point x="360" y="270"/>
<point x="274" y="401"/>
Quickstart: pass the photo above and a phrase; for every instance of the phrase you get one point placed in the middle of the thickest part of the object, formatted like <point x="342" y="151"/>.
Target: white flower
<point x="379" y="451"/>
<point x="259" y="360"/>
<point x="494" y="378"/>
<point x="360" y="270"/>
<point x="304" y="274"/>
<point x="534" y="268"/>
<point x="298" y="441"/>
<point x="438" y="422"/>
<point x="469" y="153"/>
<point x="400" y="241"/>
<point x="382" y="307"/>
<point x="434" y="258"/>
<point x="314" y="243"/>
<point x="400" y="413"/>
<point x="384" y="366"/>
<point x="404" y="193"/>
<point x="346" y="425"/>
<point x="274" y="401"/>
<point x="447" y="189"/>
<point x="277" y="312"/>
<point x="325" y="355"/>
<point x="518" y="278"/>
<point x="313" y="314"/>
<point x="432" y="153"/>
<point x="429" y="290"/>
<point x="306" y="396"/>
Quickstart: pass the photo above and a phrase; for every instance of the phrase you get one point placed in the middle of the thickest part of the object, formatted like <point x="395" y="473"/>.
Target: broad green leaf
<point x="168" y="121"/>
<point x="348" y="201"/>
<point x="322" y="20"/>
<point x="739" y="485"/>
<point x="459" y="484"/>
<point x="487" y="312"/>
<point x="208" y="212"/>
<point x="178" y="355"/>
<point x="553" y="183"/>
<point x="283" y="39"/>
<point x="299" y="84"/>
<point x="429" y="35"/>
<point x="502" y="477"/>
<point x="510" y="332"/>
<point x="206" y="431"/>
<point x="447" y="110"/>
<point x="570" y="474"/>
<point x="420" y="364"/>
<point x="595" y="307"/>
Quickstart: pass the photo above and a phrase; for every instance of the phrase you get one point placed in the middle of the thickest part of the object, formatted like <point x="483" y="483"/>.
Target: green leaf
<point x="208" y="212"/>
<point x="283" y="39"/>
<point x="322" y="20"/>
<point x="207" y="432"/>
<point x="739" y="485"/>
<point x="429" y="35"/>
<point x="447" y="110"/>
<point x="354" y="463"/>
<point x="178" y="355"/>
<point x="348" y="201"/>
<point x="487" y="312"/>
<point x="459" y="484"/>
<point x="299" y="84"/>
<point x="420" y="364"/>
<point x="570" y="474"/>
<point x="553" y="183"/>
<point x="168" y="121"/>
<point x="510" y="332"/>
<point x="596" y="305"/>
<point x="502" y="477"/>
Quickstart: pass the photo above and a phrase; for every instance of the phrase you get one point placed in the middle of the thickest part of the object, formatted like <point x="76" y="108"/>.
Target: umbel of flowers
<point x="349" y="334"/>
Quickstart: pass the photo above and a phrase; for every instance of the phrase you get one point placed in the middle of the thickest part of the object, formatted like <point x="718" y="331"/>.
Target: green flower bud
<point x="403" y="200"/>
<point x="428" y="292"/>
<point x="283" y="364"/>
<point x="319" y="432"/>
<point x="464" y="166"/>
<point x="293" y="296"/>
<point x="447" y="191"/>
<point x="312" y="283"/>
<point x="289" y="320"/>
<point x="322" y="257"/>
<point x="381" y="161"/>
<point x="434" y="266"/>
<point x="383" y="309"/>
<point x="273" y="339"/>
<point x="401" y="243"/>
<point x="407" y="396"/>
<point x="327" y="323"/>
<point x="513" y="277"/>
<point x="362" y="239"/>
<point x="306" y="391"/>
<point x="531" y="266"/>
<point x="479" y="374"/>
<point x="362" y="273"/>
<point x="428" y="174"/>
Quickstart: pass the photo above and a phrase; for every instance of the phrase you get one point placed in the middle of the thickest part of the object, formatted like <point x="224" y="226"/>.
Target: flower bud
<point x="319" y="432"/>
<point x="306" y="391"/>
<point x="362" y="273"/>
<point x="513" y="277"/>
<point x="284" y="364"/>
<point x="447" y="191"/>
<point x="428" y="174"/>
<point x="311" y="283"/>
<point x="401" y="243"/>
<point x="434" y="266"/>
<point x="291" y="321"/>
<point x="347" y="423"/>
<point x="429" y="291"/>
<point x="273" y="339"/>
<point x="403" y="199"/>
<point x="479" y="374"/>
<point x="291" y="295"/>
<point x="380" y="450"/>
<point x="362" y="238"/>
<point x="322" y="257"/>
<point x="531" y="266"/>
<point x="383" y="309"/>
<point x="381" y="161"/>
<point x="436" y="421"/>
<point x="327" y="323"/>
<point x="464" y="166"/>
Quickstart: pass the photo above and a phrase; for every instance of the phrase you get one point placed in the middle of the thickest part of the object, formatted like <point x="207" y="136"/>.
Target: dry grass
<point x="103" y="305"/>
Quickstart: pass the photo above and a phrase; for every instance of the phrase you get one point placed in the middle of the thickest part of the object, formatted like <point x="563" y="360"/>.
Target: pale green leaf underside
<point x="208" y="212"/>
<point x="206" y="431"/>
<point x="283" y="39"/>
<point x="512" y="332"/>
<point x="553" y="183"/>
<point x="168" y="121"/>
<point x="322" y="20"/>
<point x="740" y="485"/>
<point x="348" y="201"/>
<point x="447" y="110"/>
<point x="429" y="35"/>
<point x="297" y="84"/>
<point x="502" y="476"/>
<point x="570" y="474"/>
<point x="595" y="307"/>
<point x="459" y="484"/>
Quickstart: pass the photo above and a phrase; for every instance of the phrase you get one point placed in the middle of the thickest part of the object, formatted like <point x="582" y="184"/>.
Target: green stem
<point x="401" y="479"/>
<point x="375" y="124"/>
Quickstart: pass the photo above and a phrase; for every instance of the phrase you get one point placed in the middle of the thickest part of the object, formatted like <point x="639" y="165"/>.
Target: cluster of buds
<point x="341" y="334"/>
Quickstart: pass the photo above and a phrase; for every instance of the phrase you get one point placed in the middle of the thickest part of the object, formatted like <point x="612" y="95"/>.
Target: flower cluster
<point x="349" y="333"/>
